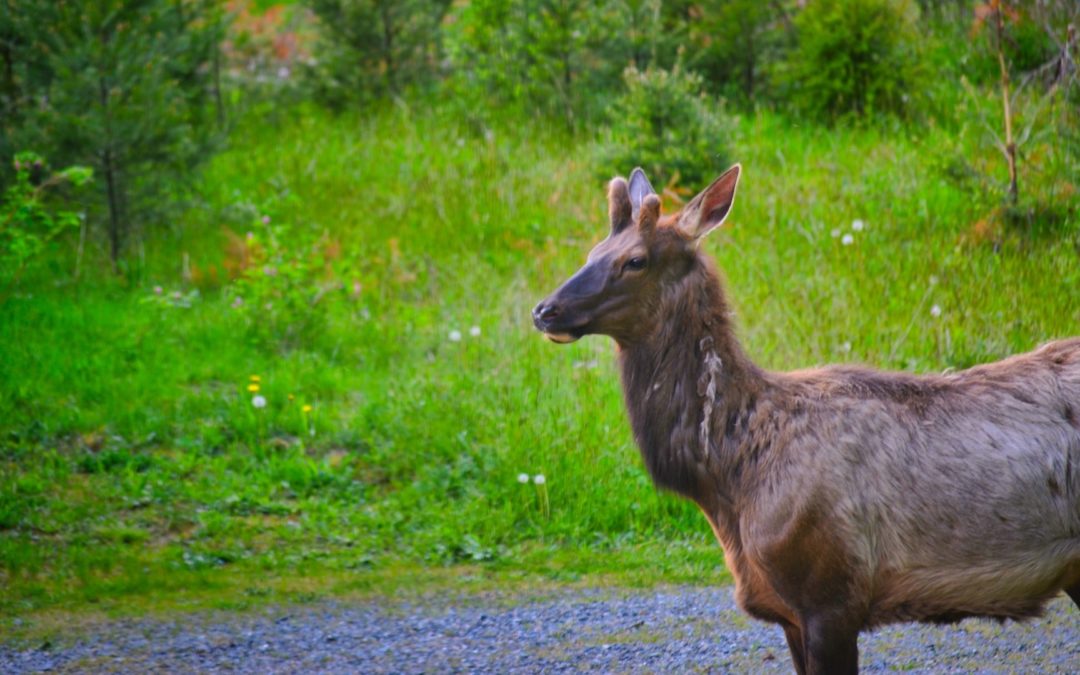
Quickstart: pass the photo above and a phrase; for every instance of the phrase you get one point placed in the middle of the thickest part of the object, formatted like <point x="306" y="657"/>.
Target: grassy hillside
<point x="405" y="390"/>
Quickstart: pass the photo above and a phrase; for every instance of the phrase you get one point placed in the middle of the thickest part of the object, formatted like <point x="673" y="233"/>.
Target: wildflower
<point x="253" y="387"/>
<point x="265" y="221"/>
<point x="177" y="295"/>
<point x="258" y="401"/>
<point x="523" y="478"/>
<point x="539" y="479"/>
<point x="270" y="271"/>
<point x="857" y="225"/>
<point x="475" y="331"/>
<point x="306" y="409"/>
<point x="935" y="311"/>
<point x="158" y="290"/>
<point x="933" y="280"/>
<point x="845" y="347"/>
<point x="455" y="336"/>
<point x="291" y="397"/>
<point x="847" y="240"/>
<point x="18" y="165"/>
<point x="237" y="302"/>
<point x="835" y="232"/>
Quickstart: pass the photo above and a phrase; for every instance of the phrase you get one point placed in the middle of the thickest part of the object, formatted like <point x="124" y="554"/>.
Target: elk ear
<point x="639" y="190"/>
<point x="619" y="212"/>
<point x="705" y="212"/>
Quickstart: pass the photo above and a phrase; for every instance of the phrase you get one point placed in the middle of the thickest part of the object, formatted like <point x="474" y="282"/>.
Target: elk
<point x="843" y="497"/>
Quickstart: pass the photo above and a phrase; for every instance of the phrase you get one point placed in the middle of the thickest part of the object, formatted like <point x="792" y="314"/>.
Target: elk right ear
<point x="708" y="210"/>
<point x="639" y="190"/>
<point x="618" y="204"/>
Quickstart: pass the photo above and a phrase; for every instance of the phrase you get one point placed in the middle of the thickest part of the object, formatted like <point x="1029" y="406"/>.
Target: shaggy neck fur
<point x="687" y="387"/>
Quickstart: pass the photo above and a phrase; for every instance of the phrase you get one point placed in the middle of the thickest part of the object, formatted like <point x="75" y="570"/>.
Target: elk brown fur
<point x="844" y="497"/>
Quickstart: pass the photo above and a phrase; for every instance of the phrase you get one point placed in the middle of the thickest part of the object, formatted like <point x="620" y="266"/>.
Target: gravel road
<point x="597" y="630"/>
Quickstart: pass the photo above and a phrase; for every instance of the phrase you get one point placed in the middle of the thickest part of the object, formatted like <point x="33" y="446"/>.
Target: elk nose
<point x="543" y="312"/>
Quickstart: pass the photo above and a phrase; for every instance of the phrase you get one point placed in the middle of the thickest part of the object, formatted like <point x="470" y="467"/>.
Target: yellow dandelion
<point x="253" y="387"/>
<point x="291" y="397"/>
<point x="306" y="408"/>
<point x="256" y="378"/>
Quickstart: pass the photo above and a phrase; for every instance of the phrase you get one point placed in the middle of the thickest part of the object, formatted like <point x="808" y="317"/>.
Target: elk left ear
<point x="708" y="210"/>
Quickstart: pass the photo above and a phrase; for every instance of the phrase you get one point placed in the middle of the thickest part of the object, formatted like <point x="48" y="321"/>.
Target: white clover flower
<point x="845" y="347"/>
<point x="258" y="401"/>
<point x="933" y="280"/>
<point x="847" y="240"/>
<point x="835" y="233"/>
<point x="523" y="478"/>
<point x="455" y="336"/>
<point x="935" y="311"/>
<point x="857" y="225"/>
<point x="539" y="479"/>
<point x="475" y="331"/>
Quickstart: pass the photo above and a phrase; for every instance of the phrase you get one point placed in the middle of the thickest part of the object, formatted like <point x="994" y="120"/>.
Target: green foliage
<point x="664" y="124"/>
<point x="562" y="57"/>
<point x="28" y="222"/>
<point x="288" y="280"/>
<point x="123" y="87"/>
<point x="371" y="49"/>
<point x="735" y="44"/>
<point x="852" y="58"/>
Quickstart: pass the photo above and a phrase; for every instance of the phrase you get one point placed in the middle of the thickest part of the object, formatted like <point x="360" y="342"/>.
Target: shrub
<point x="734" y="44"/>
<point x="663" y="124"/>
<point x="852" y="58"/>
<point x="374" y="48"/>
<point x="562" y="58"/>
<point x="124" y="87"/>
<point x="28" y="222"/>
<point x="285" y="281"/>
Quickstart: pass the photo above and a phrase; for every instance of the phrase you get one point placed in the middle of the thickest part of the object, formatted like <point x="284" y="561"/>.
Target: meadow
<point x="181" y="440"/>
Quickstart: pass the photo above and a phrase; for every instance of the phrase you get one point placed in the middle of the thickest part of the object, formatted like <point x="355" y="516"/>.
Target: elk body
<point x="844" y="497"/>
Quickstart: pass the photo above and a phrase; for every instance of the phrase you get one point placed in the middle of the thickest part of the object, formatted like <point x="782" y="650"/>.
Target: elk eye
<point x="634" y="264"/>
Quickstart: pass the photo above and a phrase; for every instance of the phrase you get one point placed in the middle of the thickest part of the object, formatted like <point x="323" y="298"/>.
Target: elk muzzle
<point x="565" y="315"/>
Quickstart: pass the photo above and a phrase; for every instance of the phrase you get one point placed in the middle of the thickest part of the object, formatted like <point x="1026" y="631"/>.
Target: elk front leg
<point x="796" y="646"/>
<point x="1074" y="593"/>
<point x="831" y="647"/>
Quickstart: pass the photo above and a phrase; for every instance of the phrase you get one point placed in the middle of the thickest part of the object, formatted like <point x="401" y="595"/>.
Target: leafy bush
<point x="374" y="48"/>
<point x="285" y="280"/>
<point x="562" y="58"/>
<point x="666" y="126"/>
<point x="852" y="58"/>
<point x="735" y="43"/>
<point x="27" y="221"/>
<point x="125" y="87"/>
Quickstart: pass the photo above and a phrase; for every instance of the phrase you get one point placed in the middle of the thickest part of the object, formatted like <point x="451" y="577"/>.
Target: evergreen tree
<point x="124" y="86"/>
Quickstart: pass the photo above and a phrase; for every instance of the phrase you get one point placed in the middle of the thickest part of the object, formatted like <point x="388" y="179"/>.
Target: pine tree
<point x="124" y="86"/>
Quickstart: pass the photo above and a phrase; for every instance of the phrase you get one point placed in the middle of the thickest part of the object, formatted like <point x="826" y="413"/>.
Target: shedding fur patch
<point x="708" y="383"/>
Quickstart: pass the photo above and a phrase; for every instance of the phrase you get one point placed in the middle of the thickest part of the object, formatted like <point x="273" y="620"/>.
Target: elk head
<point x="623" y="285"/>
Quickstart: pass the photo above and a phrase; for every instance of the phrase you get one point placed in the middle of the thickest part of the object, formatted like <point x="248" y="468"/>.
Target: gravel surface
<point x="610" y="631"/>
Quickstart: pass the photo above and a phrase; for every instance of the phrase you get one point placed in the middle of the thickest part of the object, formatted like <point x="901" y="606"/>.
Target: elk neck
<point x="689" y="388"/>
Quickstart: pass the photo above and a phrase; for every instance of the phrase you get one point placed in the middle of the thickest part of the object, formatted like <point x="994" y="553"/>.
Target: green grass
<point x="135" y="472"/>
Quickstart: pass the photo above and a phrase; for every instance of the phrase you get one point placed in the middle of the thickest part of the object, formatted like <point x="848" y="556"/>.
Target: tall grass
<point x="132" y="452"/>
